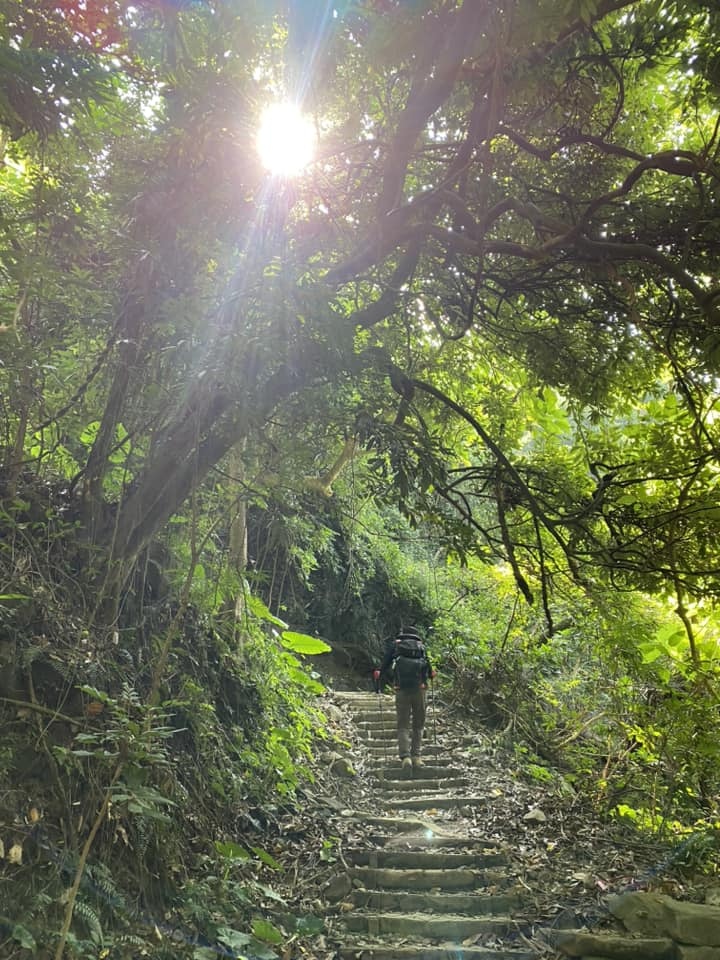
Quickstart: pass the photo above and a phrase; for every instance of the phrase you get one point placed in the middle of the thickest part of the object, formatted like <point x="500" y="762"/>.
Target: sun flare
<point x="285" y="140"/>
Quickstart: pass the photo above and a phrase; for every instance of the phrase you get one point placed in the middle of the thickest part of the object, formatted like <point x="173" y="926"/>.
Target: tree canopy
<point x="498" y="273"/>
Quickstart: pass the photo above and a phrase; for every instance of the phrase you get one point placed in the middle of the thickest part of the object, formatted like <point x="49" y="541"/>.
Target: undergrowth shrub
<point x="232" y="733"/>
<point x="604" y="700"/>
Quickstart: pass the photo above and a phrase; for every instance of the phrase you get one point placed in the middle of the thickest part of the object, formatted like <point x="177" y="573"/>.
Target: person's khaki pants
<point x="410" y="710"/>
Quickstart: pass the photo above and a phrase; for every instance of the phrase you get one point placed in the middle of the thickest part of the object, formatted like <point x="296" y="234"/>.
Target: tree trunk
<point x="130" y="333"/>
<point x="195" y="440"/>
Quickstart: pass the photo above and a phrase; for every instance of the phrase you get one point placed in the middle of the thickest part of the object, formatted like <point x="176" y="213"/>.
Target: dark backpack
<point x="409" y="646"/>
<point x="410" y="662"/>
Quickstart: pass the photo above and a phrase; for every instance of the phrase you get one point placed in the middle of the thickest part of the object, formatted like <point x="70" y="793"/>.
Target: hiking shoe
<point x="406" y="763"/>
<point x="417" y="763"/>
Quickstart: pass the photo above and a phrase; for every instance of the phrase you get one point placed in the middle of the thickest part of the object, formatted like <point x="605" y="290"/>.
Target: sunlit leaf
<point x="230" y="850"/>
<point x="264" y="930"/>
<point x="303" y="643"/>
<point x="256" y="606"/>
<point x="266" y="858"/>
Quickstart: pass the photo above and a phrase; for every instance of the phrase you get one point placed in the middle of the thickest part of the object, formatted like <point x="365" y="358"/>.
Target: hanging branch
<point x="506" y="635"/>
<point x="543" y="583"/>
<point x="323" y="484"/>
<point x="507" y="539"/>
<point x="530" y="498"/>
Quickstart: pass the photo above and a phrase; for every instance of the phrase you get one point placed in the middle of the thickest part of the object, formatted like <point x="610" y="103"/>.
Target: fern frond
<point x="105" y="888"/>
<point x="85" y="912"/>
<point x="143" y="836"/>
<point x="129" y="939"/>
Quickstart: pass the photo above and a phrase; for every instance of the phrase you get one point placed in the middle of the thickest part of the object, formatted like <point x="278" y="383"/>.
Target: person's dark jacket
<point x="391" y="654"/>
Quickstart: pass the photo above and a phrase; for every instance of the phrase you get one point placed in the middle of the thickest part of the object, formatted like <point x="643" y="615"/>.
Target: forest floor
<point x="557" y="852"/>
<point x="562" y="853"/>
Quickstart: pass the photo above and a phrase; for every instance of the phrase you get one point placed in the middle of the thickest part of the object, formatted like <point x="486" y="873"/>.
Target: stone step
<point x="384" y="711"/>
<point x="432" y="771"/>
<point x="380" y="756"/>
<point x="374" y="951"/>
<point x="383" y="718"/>
<point x="378" y="751"/>
<point x="436" y="760"/>
<point x="387" y="711"/>
<point x="422" y="829"/>
<point x="376" y="722"/>
<point x="420" y="926"/>
<point x="428" y="800"/>
<point x="425" y="859"/>
<point x="354" y="694"/>
<point x="422" y="880"/>
<point x="476" y="904"/>
<point x="381" y="878"/>
<point x="393" y="788"/>
<point x="378" y="710"/>
<point x="386" y="733"/>
<point x="409" y="838"/>
<point x="382" y="733"/>
<point x="387" y="717"/>
<point x="442" y="802"/>
<point x="364" y="699"/>
<point x="375" y="716"/>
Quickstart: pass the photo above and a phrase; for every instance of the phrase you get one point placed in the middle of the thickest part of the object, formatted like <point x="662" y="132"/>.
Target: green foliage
<point x="258" y="608"/>
<point x="697" y="851"/>
<point x="245" y="943"/>
<point x="303" y="644"/>
<point x="327" y="850"/>
<point x="539" y="773"/>
<point x="136" y="737"/>
<point x="202" y="740"/>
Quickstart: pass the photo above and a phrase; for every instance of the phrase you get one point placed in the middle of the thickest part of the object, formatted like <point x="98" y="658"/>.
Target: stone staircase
<point x="424" y="887"/>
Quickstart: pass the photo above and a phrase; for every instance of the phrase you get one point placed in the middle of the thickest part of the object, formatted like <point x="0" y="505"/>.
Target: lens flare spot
<point x="285" y="140"/>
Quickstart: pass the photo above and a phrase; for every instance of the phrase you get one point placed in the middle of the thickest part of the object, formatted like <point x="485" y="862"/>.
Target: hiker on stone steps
<point x="406" y="664"/>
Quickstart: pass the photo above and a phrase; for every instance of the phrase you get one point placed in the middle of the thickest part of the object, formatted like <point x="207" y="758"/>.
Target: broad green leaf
<point x="650" y="652"/>
<point x="230" y="850"/>
<point x="303" y="680"/>
<point x="264" y="930"/>
<point x="269" y="892"/>
<point x="668" y="634"/>
<point x="256" y="606"/>
<point x="309" y="925"/>
<point x="235" y="939"/>
<point x="245" y="942"/>
<point x="89" y="434"/>
<point x="23" y="936"/>
<point x="266" y="858"/>
<point x="303" y="643"/>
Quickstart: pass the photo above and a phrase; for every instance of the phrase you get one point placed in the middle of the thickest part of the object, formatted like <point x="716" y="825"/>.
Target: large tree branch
<point x="569" y="240"/>
<point x="643" y="252"/>
<point x="187" y="458"/>
<point x="681" y="163"/>
<point x="530" y="499"/>
<point x="434" y="82"/>
<point x="547" y="153"/>
<point x="381" y="308"/>
<point x="436" y="77"/>
<point x="427" y="95"/>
